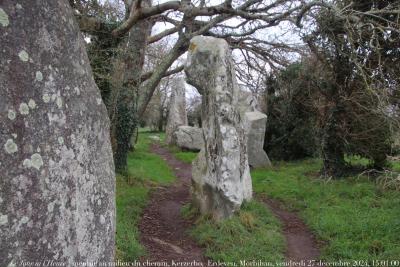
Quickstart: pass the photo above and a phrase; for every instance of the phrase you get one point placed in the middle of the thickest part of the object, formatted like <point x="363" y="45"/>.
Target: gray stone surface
<point x="255" y="124"/>
<point x="190" y="138"/>
<point x="57" y="184"/>
<point x="221" y="177"/>
<point x="177" y="115"/>
<point x="247" y="102"/>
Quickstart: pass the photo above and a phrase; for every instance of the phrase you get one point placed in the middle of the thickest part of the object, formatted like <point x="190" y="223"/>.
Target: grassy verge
<point x="185" y="156"/>
<point x="252" y="234"/>
<point x="145" y="170"/>
<point x="356" y="218"/>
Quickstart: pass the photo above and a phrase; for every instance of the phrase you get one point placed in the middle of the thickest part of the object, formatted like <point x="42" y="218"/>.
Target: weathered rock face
<point x="255" y="124"/>
<point x="247" y="102"/>
<point x="221" y="178"/>
<point x="190" y="138"/>
<point x="57" y="174"/>
<point x="177" y="115"/>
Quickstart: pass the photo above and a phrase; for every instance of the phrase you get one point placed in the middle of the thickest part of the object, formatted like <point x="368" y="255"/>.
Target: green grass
<point x="131" y="199"/>
<point x="251" y="234"/>
<point x="357" y="160"/>
<point x="396" y="166"/>
<point x="144" y="171"/>
<point x="146" y="166"/>
<point x="185" y="156"/>
<point x="355" y="218"/>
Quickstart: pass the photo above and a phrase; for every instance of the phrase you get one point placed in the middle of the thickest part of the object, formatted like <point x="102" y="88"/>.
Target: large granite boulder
<point x="221" y="177"/>
<point x="57" y="182"/>
<point x="255" y="124"/>
<point x="189" y="138"/>
<point x="177" y="115"/>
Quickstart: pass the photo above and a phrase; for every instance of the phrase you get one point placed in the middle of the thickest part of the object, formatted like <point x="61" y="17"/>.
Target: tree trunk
<point x="161" y="117"/>
<point x="57" y="190"/>
<point x="334" y="129"/>
<point x="125" y="82"/>
<point x="332" y="145"/>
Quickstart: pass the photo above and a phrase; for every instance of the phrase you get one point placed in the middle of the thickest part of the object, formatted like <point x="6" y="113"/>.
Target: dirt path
<point x="301" y="243"/>
<point x="163" y="230"/>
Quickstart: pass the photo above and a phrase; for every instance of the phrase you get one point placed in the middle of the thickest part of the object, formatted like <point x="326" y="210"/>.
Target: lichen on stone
<point x="23" y="55"/>
<point x="10" y="146"/>
<point x="24" y="220"/>
<point x="61" y="140"/>
<point x="4" y="18"/>
<point x="46" y="98"/>
<point x="3" y="220"/>
<point x="27" y="163"/>
<point x="59" y="102"/>
<point x="11" y="114"/>
<point x="24" y="109"/>
<point x="32" y="104"/>
<point x="37" y="161"/>
<point x="39" y="76"/>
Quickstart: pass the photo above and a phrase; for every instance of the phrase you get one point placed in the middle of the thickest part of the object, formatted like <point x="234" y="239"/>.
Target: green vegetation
<point x="396" y="166"/>
<point x="146" y="166"/>
<point x="253" y="233"/>
<point x="144" y="171"/>
<point x="185" y="156"/>
<point x="354" y="216"/>
<point x="131" y="199"/>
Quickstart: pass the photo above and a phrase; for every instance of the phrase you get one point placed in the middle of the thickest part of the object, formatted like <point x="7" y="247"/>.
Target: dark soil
<point x="163" y="230"/>
<point x="301" y="244"/>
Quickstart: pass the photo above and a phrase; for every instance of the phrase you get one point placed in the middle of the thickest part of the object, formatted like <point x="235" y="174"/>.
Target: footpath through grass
<point x="252" y="234"/>
<point x="355" y="217"/>
<point x="145" y="170"/>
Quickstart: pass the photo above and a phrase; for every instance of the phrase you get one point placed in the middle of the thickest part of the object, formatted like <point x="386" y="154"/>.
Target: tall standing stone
<point x="57" y="185"/>
<point x="221" y="178"/>
<point x="177" y="115"/>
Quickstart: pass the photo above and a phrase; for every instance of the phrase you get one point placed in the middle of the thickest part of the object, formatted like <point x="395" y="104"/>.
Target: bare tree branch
<point x="176" y="70"/>
<point x="159" y="36"/>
